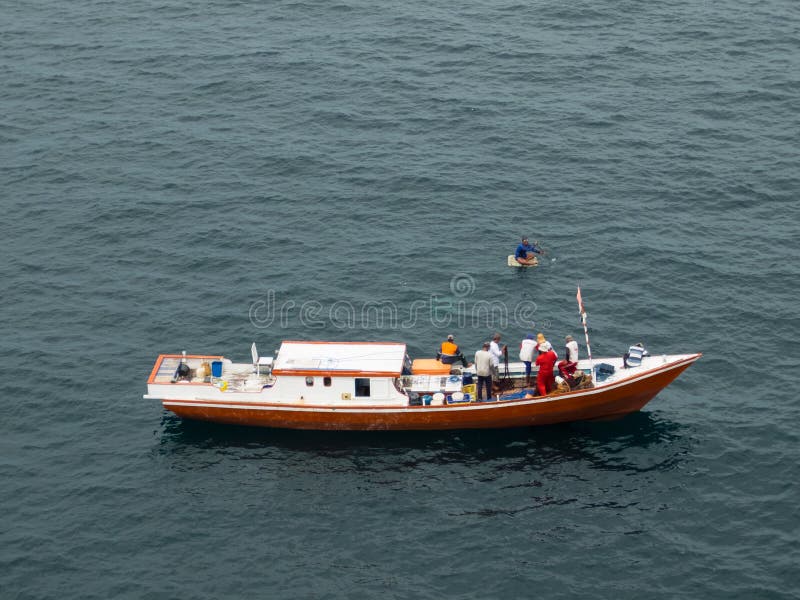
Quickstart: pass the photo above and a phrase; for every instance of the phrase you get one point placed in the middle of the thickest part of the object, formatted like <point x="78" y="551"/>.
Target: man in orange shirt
<point x="449" y="353"/>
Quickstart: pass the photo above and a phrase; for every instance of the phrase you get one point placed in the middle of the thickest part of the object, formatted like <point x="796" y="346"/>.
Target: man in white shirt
<point x="497" y="354"/>
<point x="568" y="366"/>
<point x="527" y="351"/>
<point x="572" y="349"/>
<point x="483" y="369"/>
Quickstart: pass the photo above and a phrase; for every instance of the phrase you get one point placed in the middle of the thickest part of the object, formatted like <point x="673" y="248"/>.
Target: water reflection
<point x="609" y="445"/>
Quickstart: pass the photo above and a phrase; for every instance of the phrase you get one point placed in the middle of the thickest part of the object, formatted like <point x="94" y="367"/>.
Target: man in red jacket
<point x="545" y="382"/>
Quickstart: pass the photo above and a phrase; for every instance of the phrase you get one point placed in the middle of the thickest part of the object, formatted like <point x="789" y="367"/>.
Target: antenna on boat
<point x="582" y="312"/>
<point x="254" y="355"/>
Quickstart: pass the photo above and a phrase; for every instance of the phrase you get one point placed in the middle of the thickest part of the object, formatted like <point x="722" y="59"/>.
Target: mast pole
<point x="582" y="313"/>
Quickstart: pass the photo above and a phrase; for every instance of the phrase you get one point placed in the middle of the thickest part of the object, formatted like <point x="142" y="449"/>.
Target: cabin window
<point x="309" y="381"/>
<point x="326" y="381"/>
<point x="362" y="387"/>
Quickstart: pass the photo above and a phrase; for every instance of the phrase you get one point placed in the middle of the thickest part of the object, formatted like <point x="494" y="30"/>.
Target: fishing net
<point x="581" y="381"/>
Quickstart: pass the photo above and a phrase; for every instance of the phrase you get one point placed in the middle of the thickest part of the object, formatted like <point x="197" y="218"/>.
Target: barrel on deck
<point x="216" y="368"/>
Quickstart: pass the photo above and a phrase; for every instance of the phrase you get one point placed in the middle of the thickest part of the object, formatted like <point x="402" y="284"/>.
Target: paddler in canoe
<point x="526" y="253"/>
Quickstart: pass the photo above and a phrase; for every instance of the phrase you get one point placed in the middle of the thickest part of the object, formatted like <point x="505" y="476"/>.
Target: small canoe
<point x="512" y="262"/>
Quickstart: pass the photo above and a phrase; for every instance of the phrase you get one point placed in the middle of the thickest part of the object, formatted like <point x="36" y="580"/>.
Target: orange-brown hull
<point x="598" y="403"/>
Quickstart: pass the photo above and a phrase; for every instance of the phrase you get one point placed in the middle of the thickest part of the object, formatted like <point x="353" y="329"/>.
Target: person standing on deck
<point x="526" y="351"/>
<point x="497" y="354"/>
<point x="545" y="382"/>
<point x="526" y="253"/>
<point x="540" y="339"/>
<point x="567" y="366"/>
<point x="483" y="369"/>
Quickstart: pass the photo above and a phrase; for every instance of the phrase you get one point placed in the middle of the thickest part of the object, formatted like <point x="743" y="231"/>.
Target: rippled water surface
<point x="199" y="176"/>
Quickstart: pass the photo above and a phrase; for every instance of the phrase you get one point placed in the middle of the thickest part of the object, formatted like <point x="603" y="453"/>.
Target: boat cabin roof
<point x="357" y="359"/>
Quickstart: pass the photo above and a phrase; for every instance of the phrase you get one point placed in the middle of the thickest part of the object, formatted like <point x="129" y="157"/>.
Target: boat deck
<point x="165" y="370"/>
<point x="455" y="387"/>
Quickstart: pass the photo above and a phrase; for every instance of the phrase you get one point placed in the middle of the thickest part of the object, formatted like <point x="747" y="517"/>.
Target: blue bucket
<point x="216" y="368"/>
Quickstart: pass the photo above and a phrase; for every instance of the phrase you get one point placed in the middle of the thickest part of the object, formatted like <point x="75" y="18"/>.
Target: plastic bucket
<point x="216" y="368"/>
<point x="457" y="397"/>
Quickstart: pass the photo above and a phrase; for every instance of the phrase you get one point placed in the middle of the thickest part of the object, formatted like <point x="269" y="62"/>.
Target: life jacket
<point x="449" y="348"/>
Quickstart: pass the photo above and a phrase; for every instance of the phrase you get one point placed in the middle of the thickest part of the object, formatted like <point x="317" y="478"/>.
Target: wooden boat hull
<point x="605" y="402"/>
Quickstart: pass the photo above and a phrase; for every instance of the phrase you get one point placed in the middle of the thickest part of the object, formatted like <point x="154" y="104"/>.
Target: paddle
<point x="542" y="250"/>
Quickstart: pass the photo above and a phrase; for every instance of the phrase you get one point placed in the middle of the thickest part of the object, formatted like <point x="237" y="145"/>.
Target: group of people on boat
<point x="546" y="361"/>
<point x="533" y="350"/>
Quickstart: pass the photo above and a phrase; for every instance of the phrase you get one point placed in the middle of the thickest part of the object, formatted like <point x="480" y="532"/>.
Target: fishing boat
<point x="376" y="386"/>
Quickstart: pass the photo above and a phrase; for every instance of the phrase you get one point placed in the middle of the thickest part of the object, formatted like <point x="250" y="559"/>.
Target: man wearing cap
<point x="567" y="366"/>
<point x="483" y="369"/>
<point x="540" y="339"/>
<point x="526" y="351"/>
<point x="497" y="352"/>
<point x="449" y="353"/>
<point x="526" y="253"/>
<point x="545" y="382"/>
<point x="634" y="354"/>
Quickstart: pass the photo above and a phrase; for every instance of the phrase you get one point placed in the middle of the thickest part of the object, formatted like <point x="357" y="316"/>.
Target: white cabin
<point x="323" y="372"/>
<point x="304" y="373"/>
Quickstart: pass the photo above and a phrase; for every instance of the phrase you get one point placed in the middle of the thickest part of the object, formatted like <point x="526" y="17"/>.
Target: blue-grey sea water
<point x="202" y="175"/>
